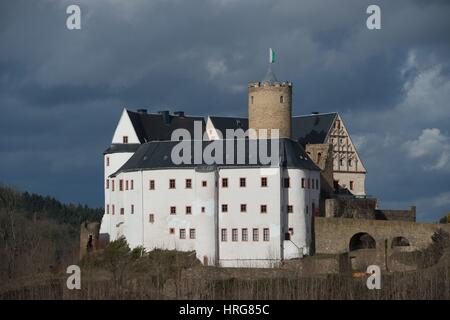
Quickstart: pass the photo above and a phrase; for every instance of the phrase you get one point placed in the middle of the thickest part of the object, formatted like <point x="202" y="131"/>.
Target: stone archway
<point x="361" y="240"/>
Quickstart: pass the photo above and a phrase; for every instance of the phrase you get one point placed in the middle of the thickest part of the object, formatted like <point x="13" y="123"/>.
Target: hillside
<point x="38" y="233"/>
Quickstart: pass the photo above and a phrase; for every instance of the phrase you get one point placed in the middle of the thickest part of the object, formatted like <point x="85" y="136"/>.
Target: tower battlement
<point x="259" y="84"/>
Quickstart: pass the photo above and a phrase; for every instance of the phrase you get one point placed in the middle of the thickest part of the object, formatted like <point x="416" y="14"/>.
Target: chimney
<point x="165" y="115"/>
<point x="142" y="111"/>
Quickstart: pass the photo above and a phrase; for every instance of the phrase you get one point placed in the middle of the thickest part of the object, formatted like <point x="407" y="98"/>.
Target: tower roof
<point x="270" y="76"/>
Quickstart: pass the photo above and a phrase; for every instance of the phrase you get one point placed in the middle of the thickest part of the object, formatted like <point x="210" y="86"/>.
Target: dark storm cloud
<point x="61" y="91"/>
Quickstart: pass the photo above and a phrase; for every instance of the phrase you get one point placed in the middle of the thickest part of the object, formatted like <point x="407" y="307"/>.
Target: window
<point x="255" y="234"/>
<point x="112" y="185"/>
<point x="244" y="236"/>
<point x="132" y="184"/>
<point x="252" y="99"/>
<point x="171" y="183"/>
<point x="263" y="208"/>
<point x="341" y="163"/>
<point x="224" y="182"/>
<point x="151" y="218"/>
<point x="281" y="99"/>
<point x="172" y="230"/>
<point x="350" y="162"/>
<point x="242" y="182"/>
<point x="125" y="139"/>
<point x="126" y="185"/>
<point x="224" y="208"/>
<point x="188" y="184"/>
<point x="113" y="209"/>
<point x="234" y="235"/>
<point x="309" y="183"/>
<point x="291" y="231"/>
<point x="290" y="208"/>
<point x="307" y="210"/>
<point x="317" y="184"/>
<point x="191" y="233"/>
<point x="107" y="183"/>
<point x="203" y="209"/>
<point x="287" y="182"/>
<point x="121" y="185"/>
<point x="319" y="157"/>
<point x="182" y="233"/>
<point x="266" y="234"/>
<point x="151" y="185"/>
<point x="204" y="183"/>
<point x="243" y="208"/>
<point x="303" y="183"/>
<point x="223" y="235"/>
<point x="173" y="210"/>
<point x="132" y="209"/>
<point x="107" y="209"/>
<point x="188" y="210"/>
<point x="351" y="185"/>
<point x="122" y="211"/>
<point x="107" y="161"/>
<point x="264" y="182"/>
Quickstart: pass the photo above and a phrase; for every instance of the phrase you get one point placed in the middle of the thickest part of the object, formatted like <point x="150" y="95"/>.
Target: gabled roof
<point x="312" y="129"/>
<point x="308" y="129"/>
<point x="151" y="126"/>
<point x="223" y="123"/>
<point x="156" y="155"/>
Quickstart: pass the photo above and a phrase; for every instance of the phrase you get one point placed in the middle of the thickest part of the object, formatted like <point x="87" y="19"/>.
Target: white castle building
<point x="232" y="214"/>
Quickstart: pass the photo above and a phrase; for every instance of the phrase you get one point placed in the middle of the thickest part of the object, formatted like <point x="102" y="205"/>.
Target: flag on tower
<point x="271" y="56"/>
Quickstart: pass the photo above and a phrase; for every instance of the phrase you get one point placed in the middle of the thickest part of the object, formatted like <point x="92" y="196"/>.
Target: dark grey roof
<point x="157" y="155"/>
<point x="312" y="128"/>
<point x="309" y="129"/>
<point x="150" y="126"/>
<point x="122" y="147"/>
<point x="223" y="123"/>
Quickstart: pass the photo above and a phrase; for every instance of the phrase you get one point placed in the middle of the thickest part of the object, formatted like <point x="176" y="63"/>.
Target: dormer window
<point x="125" y="139"/>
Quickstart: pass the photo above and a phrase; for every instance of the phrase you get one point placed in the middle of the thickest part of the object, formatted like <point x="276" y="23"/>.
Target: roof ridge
<point x="314" y="114"/>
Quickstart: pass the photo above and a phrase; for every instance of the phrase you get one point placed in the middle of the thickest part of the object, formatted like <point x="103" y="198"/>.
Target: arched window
<point x="281" y="99"/>
<point x="362" y="240"/>
<point x="319" y="157"/>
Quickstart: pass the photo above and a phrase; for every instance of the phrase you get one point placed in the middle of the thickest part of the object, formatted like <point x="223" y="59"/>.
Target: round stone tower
<point x="270" y="106"/>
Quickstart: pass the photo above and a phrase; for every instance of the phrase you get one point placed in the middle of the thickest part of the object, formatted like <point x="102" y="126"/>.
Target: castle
<point x="232" y="213"/>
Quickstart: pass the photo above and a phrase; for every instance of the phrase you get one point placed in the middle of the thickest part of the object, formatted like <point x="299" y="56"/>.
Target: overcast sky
<point x="62" y="91"/>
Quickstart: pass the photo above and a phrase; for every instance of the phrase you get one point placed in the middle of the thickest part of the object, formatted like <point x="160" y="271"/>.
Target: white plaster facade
<point x="130" y="202"/>
<point x="207" y="218"/>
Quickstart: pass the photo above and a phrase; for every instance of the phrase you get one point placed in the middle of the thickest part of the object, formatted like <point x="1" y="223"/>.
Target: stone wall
<point x="365" y="208"/>
<point x="89" y="236"/>
<point x="402" y="215"/>
<point x="333" y="236"/>
<point x="350" y="208"/>
<point x="322" y="155"/>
